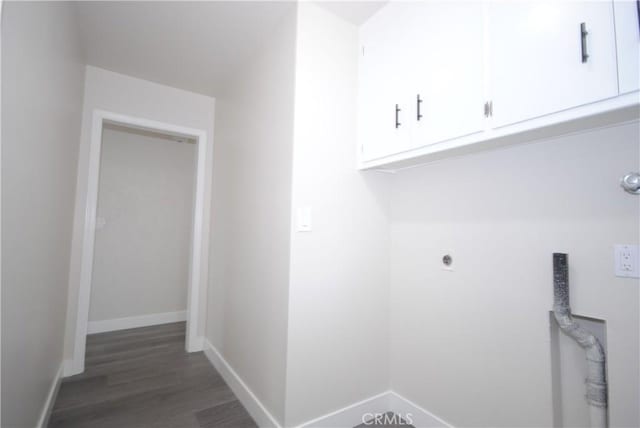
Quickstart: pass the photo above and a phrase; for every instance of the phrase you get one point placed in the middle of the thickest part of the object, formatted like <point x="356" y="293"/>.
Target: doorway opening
<point x="139" y="249"/>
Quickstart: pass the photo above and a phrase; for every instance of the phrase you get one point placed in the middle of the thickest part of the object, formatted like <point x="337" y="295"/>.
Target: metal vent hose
<point x="596" y="378"/>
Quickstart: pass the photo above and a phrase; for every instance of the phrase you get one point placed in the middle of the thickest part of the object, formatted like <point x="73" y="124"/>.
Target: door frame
<point x="197" y="254"/>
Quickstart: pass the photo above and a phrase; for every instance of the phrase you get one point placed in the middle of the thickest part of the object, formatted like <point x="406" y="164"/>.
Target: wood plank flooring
<point x="143" y="378"/>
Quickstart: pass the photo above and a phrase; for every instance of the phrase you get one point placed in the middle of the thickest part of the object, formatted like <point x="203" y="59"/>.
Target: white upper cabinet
<point x="446" y="40"/>
<point x="384" y="91"/>
<point x="443" y="76"/>
<point x="549" y="56"/>
<point x="421" y="75"/>
<point x="628" y="44"/>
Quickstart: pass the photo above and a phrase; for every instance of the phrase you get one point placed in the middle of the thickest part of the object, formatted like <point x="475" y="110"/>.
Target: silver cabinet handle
<point x="583" y="42"/>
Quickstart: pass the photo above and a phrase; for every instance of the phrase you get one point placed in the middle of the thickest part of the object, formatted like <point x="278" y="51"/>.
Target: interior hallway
<point x="143" y="377"/>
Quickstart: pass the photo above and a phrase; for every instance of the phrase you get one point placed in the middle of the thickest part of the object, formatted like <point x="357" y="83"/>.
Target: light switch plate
<point x="627" y="261"/>
<point x="304" y="219"/>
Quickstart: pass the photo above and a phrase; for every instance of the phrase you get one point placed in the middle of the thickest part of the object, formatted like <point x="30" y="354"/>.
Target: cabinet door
<point x="628" y="44"/>
<point x="446" y="41"/>
<point x="537" y="66"/>
<point x="382" y="84"/>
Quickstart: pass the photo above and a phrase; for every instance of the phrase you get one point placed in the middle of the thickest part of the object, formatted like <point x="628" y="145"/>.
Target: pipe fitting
<point x="596" y="382"/>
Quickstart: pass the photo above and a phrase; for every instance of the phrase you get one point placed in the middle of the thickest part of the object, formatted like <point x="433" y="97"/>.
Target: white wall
<point x="338" y="297"/>
<point x="134" y="97"/>
<point x="247" y="320"/>
<point x="141" y="258"/>
<point x="42" y="75"/>
<point x="473" y="345"/>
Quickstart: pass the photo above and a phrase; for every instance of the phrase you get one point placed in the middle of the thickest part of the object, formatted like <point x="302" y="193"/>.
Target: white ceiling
<point x="355" y="12"/>
<point x="187" y="45"/>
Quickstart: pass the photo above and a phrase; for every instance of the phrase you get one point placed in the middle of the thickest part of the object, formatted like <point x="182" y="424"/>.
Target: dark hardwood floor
<point x="143" y="378"/>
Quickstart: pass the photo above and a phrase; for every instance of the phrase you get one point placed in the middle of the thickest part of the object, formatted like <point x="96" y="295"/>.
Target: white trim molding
<point x="198" y="250"/>
<point x="254" y="406"/>
<point x="421" y="418"/>
<point x="346" y="417"/>
<point x="45" y="414"/>
<point x="352" y="415"/>
<point x="376" y="407"/>
<point x="103" y="326"/>
<point x="67" y="368"/>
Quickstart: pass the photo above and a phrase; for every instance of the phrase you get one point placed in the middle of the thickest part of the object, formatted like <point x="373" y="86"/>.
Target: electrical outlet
<point x="626" y="261"/>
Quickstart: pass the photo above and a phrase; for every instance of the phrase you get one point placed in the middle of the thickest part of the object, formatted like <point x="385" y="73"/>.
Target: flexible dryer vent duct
<point x="596" y="381"/>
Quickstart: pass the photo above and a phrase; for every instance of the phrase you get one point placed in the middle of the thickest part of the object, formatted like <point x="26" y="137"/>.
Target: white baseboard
<point x="134" y="322"/>
<point x="352" y="415"/>
<point x="43" y="420"/>
<point x="376" y="407"/>
<point x="248" y="399"/>
<point x="196" y="345"/>
<point x="68" y="369"/>
<point x="420" y="417"/>
<point x="347" y="417"/>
